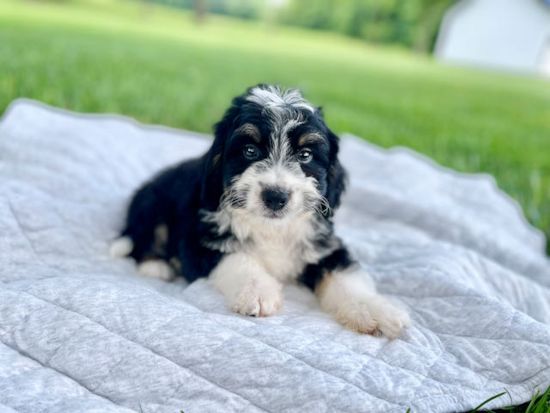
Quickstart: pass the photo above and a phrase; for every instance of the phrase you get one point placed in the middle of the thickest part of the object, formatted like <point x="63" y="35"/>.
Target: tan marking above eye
<point x="216" y="159"/>
<point x="310" y="138"/>
<point x="250" y="130"/>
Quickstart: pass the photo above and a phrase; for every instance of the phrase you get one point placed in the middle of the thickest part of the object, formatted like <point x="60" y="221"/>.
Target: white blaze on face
<point x="272" y="97"/>
<point x="286" y="176"/>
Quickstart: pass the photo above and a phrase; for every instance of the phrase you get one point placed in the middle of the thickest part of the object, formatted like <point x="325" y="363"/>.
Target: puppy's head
<point x="273" y="157"/>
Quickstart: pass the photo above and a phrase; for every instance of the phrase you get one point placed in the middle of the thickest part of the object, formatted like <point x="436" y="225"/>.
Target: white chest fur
<point x="282" y="248"/>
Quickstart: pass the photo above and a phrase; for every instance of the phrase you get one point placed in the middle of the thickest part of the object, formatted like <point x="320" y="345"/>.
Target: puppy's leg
<point x="146" y="233"/>
<point x="121" y="247"/>
<point x="249" y="289"/>
<point x="154" y="268"/>
<point x="348" y="293"/>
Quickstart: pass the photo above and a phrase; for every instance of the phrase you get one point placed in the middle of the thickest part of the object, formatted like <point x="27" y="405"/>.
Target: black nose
<point x="275" y="198"/>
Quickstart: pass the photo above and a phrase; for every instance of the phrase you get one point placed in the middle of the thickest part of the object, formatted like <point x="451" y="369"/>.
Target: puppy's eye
<point x="251" y="152"/>
<point x="305" y="156"/>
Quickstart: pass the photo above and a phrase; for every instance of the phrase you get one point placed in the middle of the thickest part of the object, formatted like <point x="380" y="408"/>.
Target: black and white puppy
<point x="256" y="211"/>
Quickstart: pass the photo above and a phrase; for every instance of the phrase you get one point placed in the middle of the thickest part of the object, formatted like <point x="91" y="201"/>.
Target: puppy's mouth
<point x="274" y="215"/>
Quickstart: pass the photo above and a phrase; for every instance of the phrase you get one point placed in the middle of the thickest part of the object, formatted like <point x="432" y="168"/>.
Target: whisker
<point x="323" y="206"/>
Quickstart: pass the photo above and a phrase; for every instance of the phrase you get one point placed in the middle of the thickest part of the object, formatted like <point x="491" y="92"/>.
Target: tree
<point x="200" y="10"/>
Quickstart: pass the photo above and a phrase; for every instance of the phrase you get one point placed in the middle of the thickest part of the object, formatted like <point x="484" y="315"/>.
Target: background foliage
<point x="410" y="23"/>
<point x="244" y="9"/>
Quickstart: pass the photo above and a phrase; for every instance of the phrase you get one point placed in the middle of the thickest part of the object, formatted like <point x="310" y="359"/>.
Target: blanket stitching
<point x="182" y="384"/>
<point x="453" y="241"/>
<point x="301" y="360"/>
<point x="427" y="375"/>
<point x="81" y="202"/>
<point x="486" y="381"/>
<point x="9" y="407"/>
<point x="330" y="404"/>
<point x="144" y="347"/>
<point x="16" y="218"/>
<point x="478" y="296"/>
<point x="332" y="400"/>
<point x="335" y="397"/>
<point x="23" y="354"/>
<point x="491" y="339"/>
<point x="468" y="252"/>
<point x="234" y="331"/>
<point x="189" y="368"/>
<point x="70" y="230"/>
<point x="424" y="377"/>
<point x="251" y="323"/>
<point x="111" y="368"/>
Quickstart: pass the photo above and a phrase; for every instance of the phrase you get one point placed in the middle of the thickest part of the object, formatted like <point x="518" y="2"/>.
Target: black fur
<point x="339" y="259"/>
<point x="173" y="198"/>
<point x="179" y="196"/>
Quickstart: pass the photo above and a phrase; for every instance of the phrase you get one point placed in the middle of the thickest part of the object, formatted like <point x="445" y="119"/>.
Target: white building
<point x="511" y="35"/>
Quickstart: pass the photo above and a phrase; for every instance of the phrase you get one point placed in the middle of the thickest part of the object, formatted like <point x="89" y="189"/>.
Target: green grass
<point x="156" y="65"/>
<point x="539" y="404"/>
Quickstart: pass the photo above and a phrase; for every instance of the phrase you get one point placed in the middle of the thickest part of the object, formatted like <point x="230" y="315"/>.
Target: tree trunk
<point x="200" y="10"/>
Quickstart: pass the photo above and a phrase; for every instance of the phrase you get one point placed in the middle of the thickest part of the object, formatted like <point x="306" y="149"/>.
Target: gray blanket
<point x="80" y="332"/>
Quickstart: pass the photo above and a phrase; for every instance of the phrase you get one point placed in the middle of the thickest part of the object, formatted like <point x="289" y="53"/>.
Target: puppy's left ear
<point x="337" y="176"/>
<point x="212" y="186"/>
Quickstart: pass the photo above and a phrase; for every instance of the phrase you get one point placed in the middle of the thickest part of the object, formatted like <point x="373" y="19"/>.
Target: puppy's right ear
<point x="337" y="176"/>
<point x="212" y="185"/>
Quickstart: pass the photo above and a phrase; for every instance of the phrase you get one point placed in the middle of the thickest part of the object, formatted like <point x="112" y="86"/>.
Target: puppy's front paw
<point x="249" y="290"/>
<point x="392" y="321"/>
<point x="352" y="299"/>
<point x="375" y="315"/>
<point x="259" y="297"/>
<point x="156" y="269"/>
<point x="121" y="247"/>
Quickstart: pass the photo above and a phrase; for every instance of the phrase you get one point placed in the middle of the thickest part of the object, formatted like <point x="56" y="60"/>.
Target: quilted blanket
<point x="81" y="332"/>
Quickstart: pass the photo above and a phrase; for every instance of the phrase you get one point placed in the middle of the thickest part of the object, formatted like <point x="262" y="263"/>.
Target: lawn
<point x="157" y="65"/>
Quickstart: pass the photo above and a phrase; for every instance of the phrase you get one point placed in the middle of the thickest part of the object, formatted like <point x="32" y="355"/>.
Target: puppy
<point x="256" y="211"/>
